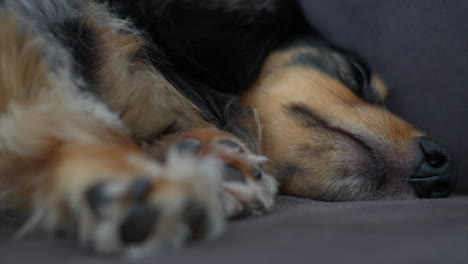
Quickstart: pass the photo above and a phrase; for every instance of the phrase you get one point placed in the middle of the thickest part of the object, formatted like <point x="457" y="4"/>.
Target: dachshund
<point x="136" y="126"/>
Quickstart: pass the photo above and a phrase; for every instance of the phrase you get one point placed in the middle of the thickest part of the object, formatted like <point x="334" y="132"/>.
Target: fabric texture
<point x="300" y="231"/>
<point x="421" y="49"/>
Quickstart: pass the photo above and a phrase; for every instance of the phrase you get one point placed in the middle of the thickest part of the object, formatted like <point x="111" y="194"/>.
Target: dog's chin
<point x="397" y="193"/>
<point x="396" y="189"/>
<point x="370" y="178"/>
<point x="361" y="188"/>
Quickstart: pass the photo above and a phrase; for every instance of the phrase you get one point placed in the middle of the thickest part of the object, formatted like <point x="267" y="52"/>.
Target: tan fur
<point x="42" y="114"/>
<point x="18" y="58"/>
<point x="208" y="138"/>
<point x="380" y="86"/>
<point x="286" y="141"/>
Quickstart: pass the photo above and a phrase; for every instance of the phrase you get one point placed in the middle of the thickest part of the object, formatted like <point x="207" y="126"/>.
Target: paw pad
<point x="138" y="224"/>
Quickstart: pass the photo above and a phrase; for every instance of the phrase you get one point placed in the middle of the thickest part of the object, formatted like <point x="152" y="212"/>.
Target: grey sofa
<point x="420" y="47"/>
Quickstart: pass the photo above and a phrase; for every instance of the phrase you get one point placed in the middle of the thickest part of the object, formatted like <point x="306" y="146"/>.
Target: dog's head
<point x="329" y="136"/>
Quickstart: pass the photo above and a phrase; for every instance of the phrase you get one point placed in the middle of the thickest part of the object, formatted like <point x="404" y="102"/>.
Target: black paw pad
<point x="138" y="224"/>
<point x="233" y="174"/>
<point x="232" y="145"/>
<point x="189" y="145"/>
<point x="97" y="196"/>
<point x="140" y="188"/>
<point x="196" y="217"/>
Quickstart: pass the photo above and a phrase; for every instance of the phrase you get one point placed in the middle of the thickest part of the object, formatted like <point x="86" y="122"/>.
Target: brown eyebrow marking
<point x="309" y="118"/>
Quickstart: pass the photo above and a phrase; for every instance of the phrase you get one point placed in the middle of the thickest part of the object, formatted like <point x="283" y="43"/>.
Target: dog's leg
<point x="75" y="173"/>
<point x="68" y="161"/>
<point x="246" y="188"/>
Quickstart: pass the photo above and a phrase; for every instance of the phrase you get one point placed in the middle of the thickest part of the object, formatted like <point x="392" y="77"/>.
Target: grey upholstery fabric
<point x="421" y="49"/>
<point x="302" y="231"/>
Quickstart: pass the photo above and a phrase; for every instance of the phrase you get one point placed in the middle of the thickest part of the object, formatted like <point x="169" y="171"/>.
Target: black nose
<point x="436" y="176"/>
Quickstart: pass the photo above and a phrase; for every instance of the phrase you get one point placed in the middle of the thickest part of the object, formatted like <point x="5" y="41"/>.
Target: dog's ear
<point x="379" y="87"/>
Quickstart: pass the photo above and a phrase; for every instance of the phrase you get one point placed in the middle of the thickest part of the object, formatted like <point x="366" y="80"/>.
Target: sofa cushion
<point x="301" y="231"/>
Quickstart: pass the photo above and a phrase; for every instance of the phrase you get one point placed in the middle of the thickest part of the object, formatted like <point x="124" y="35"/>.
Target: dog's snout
<point x="437" y="159"/>
<point x="435" y="176"/>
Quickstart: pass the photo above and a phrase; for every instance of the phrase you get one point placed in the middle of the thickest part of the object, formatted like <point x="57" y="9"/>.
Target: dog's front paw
<point x="246" y="188"/>
<point x="138" y="207"/>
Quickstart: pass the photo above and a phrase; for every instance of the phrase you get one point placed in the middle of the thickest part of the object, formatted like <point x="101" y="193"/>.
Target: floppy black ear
<point x="206" y="47"/>
<point x="222" y="43"/>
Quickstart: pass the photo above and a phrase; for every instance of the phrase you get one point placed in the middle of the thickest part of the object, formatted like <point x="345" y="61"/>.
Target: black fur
<point x="81" y="44"/>
<point x="212" y="41"/>
<point x="213" y="50"/>
<point x="336" y="62"/>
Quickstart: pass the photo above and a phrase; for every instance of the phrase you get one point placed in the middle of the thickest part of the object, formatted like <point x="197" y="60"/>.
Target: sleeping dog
<point x="141" y="125"/>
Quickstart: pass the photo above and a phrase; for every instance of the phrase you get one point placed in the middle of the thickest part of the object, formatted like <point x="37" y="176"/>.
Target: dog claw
<point x="189" y="145"/>
<point x="231" y="145"/>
